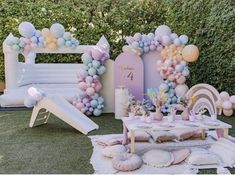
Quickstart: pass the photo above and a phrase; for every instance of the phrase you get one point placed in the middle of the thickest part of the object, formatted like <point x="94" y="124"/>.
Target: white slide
<point x="63" y="110"/>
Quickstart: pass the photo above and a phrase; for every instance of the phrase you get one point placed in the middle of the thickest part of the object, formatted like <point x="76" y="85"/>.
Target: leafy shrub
<point x="209" y="24"/>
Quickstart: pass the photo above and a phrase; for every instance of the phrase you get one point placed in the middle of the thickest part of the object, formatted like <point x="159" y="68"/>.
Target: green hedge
<point x="210" y="25"/>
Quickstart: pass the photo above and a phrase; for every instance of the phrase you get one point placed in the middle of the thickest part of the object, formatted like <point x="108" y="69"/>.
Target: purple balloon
<point x="137" y="37"/>
<point x="89" y="79"/>
<point x="82" y="73"/>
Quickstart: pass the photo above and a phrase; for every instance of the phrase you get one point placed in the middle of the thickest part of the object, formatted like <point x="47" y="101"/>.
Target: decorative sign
<point x="129" y="72"/>
<point x="152" y="78"/>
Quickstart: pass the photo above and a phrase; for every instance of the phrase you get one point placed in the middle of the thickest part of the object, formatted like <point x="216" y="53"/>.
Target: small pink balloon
<point x="85" y="100"/>
<point x="152" y="47"/>
<point x="83" y="110"/>
<point x="93" y="85"/>
<point x="137" y="37"/>
<point x="224" y="96"/>
<point x="82" y="86"/>
<point x="227" y="105"/>
<point x="181" y="80"/>
<point x="130" y="39"/>
<point x="98" y="87"/>
<point x="27" y="40"/>
<point x="90" y="91"/>
<point x="89" y="79"/>
<point x="96" y="53"/>
<point x="33" y="45"/>
<point x="171" y="77"/>
<point x="79" y="105"/>
<point x="82" y="73"/>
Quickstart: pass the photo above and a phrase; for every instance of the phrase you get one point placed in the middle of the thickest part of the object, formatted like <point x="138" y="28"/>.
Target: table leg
<point x="132" y="141"/>
<point x="203" y="134"/>
<point x="125" y="136"/>
<point x="226" y="132"/>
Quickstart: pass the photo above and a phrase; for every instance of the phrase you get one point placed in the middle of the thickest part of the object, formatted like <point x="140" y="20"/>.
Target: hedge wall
<point x="210" y="24"/>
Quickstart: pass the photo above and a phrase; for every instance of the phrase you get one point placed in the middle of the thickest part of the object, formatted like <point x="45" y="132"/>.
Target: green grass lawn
<point x="52" y="148"/>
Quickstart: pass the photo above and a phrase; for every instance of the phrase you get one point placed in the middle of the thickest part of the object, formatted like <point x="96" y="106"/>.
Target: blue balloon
<point x="97" y="112"/>
<point x="91" y="71"/>
<point x="94" y="103"/>
<point x="179" y="68"/>
<point x="34" y="39"/>
<point x="101" y="70"/>
<point x="41" y="39"/>
<point x="67" y="36"/>
<point x="73" y="46"/>
<point x="57" y="29"/>
<point x="185" y="72"/>
<point x="68" y="43"/>
<point x="90" y="65"/>
<point x="38" y="33"/>
<point x="95" y="96"/>
<point x="101" y="100"/>
<point x="29" y="102"/>
<point x="183" y="39"/>
<point x="61" y="42"/>
<point x="96" y="63"/>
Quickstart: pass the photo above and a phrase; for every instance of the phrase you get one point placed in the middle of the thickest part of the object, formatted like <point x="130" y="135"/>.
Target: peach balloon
<point x="181" y="80"/>
<point x="173" y="47"/>
<point x="51" y="46"/>
<point x="228" y="113"/>
<point x="171" y="77"/>
<point x="190" y="53"/>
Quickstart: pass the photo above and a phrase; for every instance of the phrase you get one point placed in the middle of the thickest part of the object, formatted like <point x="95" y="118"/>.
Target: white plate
<point x="191" y="124"/>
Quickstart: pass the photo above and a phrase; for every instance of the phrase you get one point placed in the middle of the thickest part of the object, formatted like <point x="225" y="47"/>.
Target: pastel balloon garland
<point x="89" y="101"/>
<point x="50" y="39"/>
<point x="173" y="65"/>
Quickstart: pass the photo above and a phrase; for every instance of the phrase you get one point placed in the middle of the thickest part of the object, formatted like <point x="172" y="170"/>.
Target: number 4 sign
<point x="129" y="72"/>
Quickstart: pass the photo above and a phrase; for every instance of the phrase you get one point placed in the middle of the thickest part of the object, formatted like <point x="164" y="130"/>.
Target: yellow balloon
<point x="228" y="112"/>
<point x="190" y="53"/>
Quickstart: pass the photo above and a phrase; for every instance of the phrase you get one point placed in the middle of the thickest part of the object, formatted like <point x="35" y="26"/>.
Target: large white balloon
<point x="26" y="29"/>
<point x="181" y="90"/>
<point x="58" y="30"/>
<point x="163" y="30"/>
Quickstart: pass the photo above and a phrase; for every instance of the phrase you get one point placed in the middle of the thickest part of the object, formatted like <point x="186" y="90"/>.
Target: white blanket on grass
<point x="103" y="165"/>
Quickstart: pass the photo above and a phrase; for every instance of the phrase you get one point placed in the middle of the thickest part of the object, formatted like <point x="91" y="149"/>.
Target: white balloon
<point x="163" y="30"/>
<point x="26" y="29"/>
<point x="58" y="30"/>
<point x="30" y="58"/>
<point x="183" y="39"/>
<point x="181" y="90"/>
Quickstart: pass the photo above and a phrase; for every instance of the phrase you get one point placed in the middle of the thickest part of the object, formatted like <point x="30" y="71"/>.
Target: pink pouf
<point x="126" y="162"/>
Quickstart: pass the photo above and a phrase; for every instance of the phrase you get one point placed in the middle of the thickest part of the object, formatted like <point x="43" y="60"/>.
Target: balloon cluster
<point x="89" y="101"/>
<point x="48" y="38"/>
<point x="227" y="103"/>
<point x="175" y="56"/>
<point x="35" y="95"/>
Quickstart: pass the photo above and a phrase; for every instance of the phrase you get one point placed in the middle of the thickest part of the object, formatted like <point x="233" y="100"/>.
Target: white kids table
<point x="135" y="124"/>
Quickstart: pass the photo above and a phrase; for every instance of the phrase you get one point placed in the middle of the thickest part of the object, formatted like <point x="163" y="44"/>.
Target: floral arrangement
<point x="135" y="107"/>
<point x="186" y="102"/>
<point x="158" y="97"/>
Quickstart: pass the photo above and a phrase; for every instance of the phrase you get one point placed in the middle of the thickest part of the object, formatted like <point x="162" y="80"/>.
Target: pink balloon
<point x="98" y="86"/>
<point x="82" y="86"/>
<point x="83" y="110"/>
<point x="89" y="79"/>
<point x="130" y="39"/>
<point x="90" y="91"/>
<point x="152" y="47"/>
<point x="181" y="80"/>
<point x="85" y="100"/>
<point x="227" y="105"/>
<point x="96" y="53"/>
<point x="224" y="95"/>
<point x="79" y="105"/>
<point x="171" y="77"/>
<point x="82" y="73"/>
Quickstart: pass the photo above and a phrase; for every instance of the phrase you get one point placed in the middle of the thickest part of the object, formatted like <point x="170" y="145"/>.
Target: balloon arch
<point x="172" y="66"/>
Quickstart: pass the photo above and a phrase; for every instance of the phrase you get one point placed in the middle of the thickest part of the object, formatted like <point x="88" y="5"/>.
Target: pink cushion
<point x="180" y="155"/>
<point x="126" y="162"/>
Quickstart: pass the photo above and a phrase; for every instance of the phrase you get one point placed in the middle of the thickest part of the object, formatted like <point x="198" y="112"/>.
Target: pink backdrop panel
<point x="152" y="78"/>
<point x="129" y="72"/>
